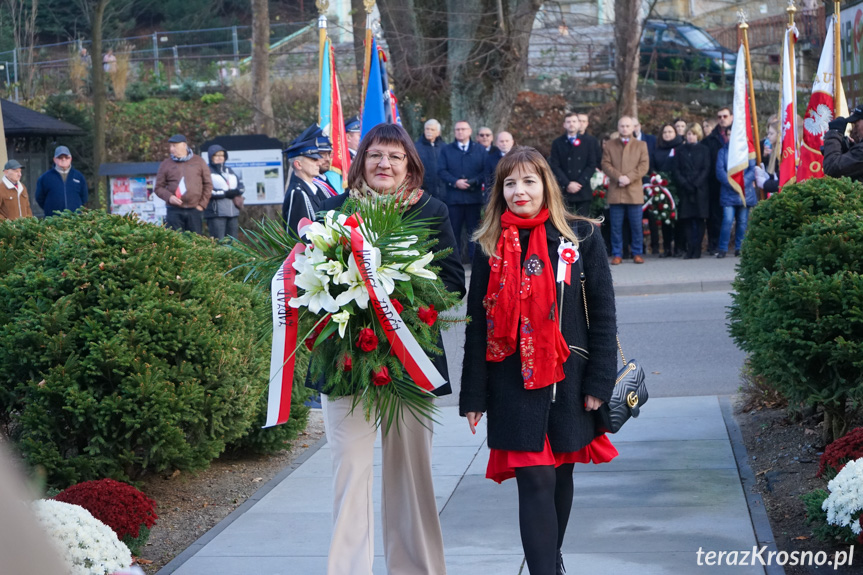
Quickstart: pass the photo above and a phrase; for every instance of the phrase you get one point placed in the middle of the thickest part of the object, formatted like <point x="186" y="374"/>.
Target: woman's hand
<point x="592" y="403"/>
<point x="473" y="418"/>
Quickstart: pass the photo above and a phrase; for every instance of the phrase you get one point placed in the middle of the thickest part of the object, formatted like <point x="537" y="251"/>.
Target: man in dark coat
<point x="462" y="168"/>
<point x="303" y="197"/>
<point x="717" y="140"/>
<point x="844" y="156"/>
<point x="573" y="161"/>
<point x="429" y="148"/>
<point x="502" y="145"/>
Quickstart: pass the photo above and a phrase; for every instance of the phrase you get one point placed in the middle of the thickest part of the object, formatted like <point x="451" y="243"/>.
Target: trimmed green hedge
<point x="125" y="348"/>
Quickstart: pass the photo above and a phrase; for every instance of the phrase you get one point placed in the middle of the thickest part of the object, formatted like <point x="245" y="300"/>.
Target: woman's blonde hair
<point x="532" y="161"/>
<point x="695" y="128"/>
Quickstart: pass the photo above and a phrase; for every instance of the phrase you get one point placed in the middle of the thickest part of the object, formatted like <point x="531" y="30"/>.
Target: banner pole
<point x="837" y="59"/>
<point x="744" y="27"/>
<point x="367" y="56"/>
<point x="323" y="6"/>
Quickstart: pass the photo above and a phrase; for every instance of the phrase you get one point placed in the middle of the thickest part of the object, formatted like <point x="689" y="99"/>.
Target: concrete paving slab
<point x="672" y="428"/>
<point x="656" y="455"/>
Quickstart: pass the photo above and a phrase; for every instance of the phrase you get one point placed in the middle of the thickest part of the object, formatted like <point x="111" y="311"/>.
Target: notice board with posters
<point x="257" y="159"/>
<point x="130" y="189"/>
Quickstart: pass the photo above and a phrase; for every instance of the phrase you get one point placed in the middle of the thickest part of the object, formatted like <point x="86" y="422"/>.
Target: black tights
<point x="544" y="503"/>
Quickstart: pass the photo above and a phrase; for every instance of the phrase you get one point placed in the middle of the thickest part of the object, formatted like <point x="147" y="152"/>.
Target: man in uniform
<point x="303" y="197"/>
<point x="844" y="156"/>
<point x="352" y="131"/>
<point x="573" y="160"/>
<point x="14" y="202"/>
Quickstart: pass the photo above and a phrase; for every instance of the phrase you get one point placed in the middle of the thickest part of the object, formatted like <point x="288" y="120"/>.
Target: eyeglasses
<point x="723" y="116"/>
<point x="485" y="135"/>
<point x="395" y="159"/>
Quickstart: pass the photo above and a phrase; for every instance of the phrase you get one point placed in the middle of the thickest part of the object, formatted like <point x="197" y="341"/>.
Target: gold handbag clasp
<point x="631" y="399"/>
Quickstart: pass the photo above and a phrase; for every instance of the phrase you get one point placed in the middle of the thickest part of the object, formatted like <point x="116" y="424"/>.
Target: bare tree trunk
<point x="358" y="20"/>
<point x="627" y="34"/>
<point x="488" y="57"/>
<point x="261" y="100"/>
<point x="100" y="95"/>
<point x="416" y="33"/>
<point x="23" y="19"/>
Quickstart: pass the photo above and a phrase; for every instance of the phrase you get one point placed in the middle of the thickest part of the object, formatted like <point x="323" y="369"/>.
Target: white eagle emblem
<point x="816" y="120"/>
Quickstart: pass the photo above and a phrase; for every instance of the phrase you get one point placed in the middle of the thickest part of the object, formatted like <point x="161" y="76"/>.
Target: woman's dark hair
<point x="388" y="134"/>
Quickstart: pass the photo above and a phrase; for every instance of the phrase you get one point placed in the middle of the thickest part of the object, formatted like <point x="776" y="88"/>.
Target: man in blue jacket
<point x="462" y="170"/>
<point x="62" y="187"/>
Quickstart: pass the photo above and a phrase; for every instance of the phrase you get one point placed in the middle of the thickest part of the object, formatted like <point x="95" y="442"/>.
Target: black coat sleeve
<point x="587" y="171"/>
<point x="601" y="369"/>
<point x="474" y="374"/>
<point x="451" y="270"/>
<point x="839" y="160"/>
<point x="555" y="161"/>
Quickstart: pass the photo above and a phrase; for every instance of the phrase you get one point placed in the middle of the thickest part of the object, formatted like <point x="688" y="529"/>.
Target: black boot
<point x="560" y="569"/>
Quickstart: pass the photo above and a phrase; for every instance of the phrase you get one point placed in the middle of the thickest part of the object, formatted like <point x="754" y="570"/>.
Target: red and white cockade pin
<point x="568" y="255"/>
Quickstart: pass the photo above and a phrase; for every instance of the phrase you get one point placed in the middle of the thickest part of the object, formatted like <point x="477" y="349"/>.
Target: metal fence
<point x="210" y="55"/>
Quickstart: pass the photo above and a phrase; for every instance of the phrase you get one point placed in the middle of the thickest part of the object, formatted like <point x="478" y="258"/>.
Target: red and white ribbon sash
<point x="285" y="323"/>
<point x="404" y="346"/>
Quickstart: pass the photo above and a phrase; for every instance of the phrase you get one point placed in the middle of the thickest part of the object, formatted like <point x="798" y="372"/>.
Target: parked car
<point x="679" y="51"/>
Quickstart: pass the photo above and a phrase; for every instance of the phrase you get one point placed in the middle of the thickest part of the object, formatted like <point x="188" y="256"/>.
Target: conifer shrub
<point x="773" y="223"/>
<point x="806" y="332"/>
<point x="125" y="347"/>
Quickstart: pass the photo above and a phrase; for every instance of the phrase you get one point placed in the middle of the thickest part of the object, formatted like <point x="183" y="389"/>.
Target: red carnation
<point x="367" y="340"/>
<point x="347" y="363"/>
<point x="427" y="315"/>
<point x="381" y="376"/>
<point x="397" y="304"/>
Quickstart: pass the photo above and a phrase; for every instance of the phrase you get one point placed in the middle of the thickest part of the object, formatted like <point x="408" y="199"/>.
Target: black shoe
<point x="720" y="255"/>
<point x="665" y="255"/>
<point x="737" y="253"/>
<point x="688" y="257"/>
<point x="560" y="568"/>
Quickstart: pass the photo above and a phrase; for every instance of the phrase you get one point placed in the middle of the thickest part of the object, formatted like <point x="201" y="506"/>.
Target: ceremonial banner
<point x="284" y="341"/>
<point x="374" y="108"/>
<point x="789" y="146"/>
<point x="820" y="112"/>
<point x="330" y="117"/>
<point x="741" y="147"/>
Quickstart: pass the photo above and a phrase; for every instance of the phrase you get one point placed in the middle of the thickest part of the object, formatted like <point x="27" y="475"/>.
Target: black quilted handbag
<point x="630" y="391"/>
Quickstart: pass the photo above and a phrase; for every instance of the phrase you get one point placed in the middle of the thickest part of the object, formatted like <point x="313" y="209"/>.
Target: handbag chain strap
<point x="587" y="317"/>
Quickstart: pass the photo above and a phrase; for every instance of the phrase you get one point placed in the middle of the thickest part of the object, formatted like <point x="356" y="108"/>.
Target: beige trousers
<point x="413" y="544"/>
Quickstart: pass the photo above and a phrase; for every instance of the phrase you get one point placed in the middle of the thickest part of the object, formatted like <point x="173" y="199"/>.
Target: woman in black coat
<point x="690" y="175"/>
<point x="664" y="158"/>
<point x="387" y="163"/>
<point x="530" y="361"/>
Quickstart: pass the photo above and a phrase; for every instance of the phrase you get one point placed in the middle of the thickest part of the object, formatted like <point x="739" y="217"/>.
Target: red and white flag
<point x="741" y="146"/>
<point x="820" y="112"/>
<point x="789" y="146"/>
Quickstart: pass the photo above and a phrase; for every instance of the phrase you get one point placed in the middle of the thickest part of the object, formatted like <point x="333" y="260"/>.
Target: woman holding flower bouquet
<point x="545" y="373"/>
<point x="387" y="165"/>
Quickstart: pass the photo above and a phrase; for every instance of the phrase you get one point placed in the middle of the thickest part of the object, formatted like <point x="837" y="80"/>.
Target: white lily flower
<point x="417" y="267"/>
<point x="403" y="248"/>
<point x="332" y="268"/>
<point x="342" y="318"/>
<point x="387" y="276"/>
<point x="316" y="294"/>
<point x="356" y="286"/>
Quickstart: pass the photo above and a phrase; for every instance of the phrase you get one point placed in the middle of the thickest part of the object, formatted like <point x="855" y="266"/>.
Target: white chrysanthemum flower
<point x="845" y="502"/>
<point x="88" y="546"/>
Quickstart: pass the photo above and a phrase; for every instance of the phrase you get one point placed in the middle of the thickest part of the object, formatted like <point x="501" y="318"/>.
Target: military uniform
<point x="302" y="199"/>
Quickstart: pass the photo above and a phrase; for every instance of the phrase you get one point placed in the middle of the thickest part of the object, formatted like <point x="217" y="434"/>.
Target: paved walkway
<point x="677" y="487"/>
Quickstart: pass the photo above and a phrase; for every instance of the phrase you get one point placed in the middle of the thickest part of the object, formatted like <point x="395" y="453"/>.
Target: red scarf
<point x="523" y="301"/>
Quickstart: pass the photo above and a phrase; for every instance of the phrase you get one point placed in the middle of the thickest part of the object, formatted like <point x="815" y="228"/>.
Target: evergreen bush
<point x="124" y="347"/>
<point x="805" y="335"/>
<point x="772" y="225"/>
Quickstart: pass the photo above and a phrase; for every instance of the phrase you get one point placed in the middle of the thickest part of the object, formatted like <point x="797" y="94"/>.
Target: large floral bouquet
<point x="369" y="301"/>
<point x="88" y="546"/>
<point x="659" y="199"/>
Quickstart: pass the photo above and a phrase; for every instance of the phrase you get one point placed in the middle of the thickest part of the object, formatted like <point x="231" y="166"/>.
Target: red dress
<point x="502" y="463"/>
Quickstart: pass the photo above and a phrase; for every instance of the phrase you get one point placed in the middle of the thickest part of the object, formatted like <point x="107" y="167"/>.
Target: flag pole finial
<point x="369" y="5"/>
<point x="741" y="19"/>
<point x="323" y="6"/>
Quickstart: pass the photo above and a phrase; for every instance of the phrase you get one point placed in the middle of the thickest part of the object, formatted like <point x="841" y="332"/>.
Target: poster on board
<point x="262" y="174"/>
<point x="135" y="194"/>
